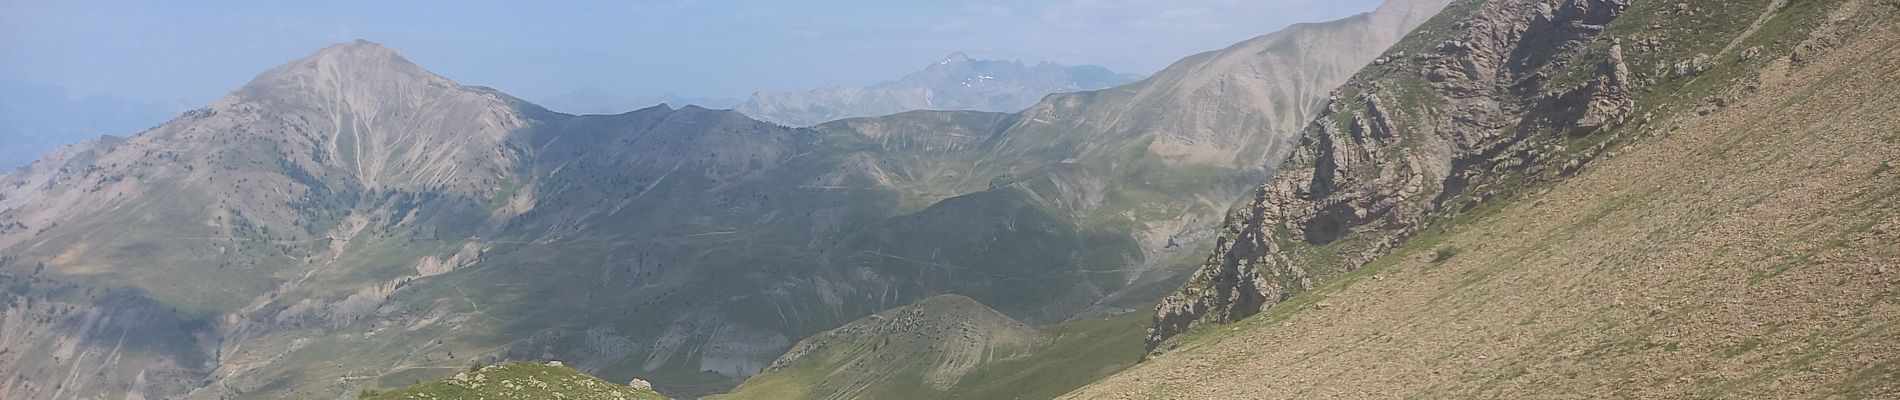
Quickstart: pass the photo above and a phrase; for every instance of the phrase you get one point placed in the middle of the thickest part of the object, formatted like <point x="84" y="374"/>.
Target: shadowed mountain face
<point x="351" y="220"/>
<point x="955" y="83"/>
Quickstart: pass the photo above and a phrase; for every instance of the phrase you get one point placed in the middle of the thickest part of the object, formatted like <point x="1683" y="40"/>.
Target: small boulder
<point x="640" y="384"/>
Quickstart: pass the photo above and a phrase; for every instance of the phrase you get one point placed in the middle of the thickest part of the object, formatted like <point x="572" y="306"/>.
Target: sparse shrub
<point x="1443" y="253"/>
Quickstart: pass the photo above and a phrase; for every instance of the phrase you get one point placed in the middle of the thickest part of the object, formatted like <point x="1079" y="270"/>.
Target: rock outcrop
<point x="520" y="380"/>
<point x="1696" y="200"/>
<point x="1484" y="94"/>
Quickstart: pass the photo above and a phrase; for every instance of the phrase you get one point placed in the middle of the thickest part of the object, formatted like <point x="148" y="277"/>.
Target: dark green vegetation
<point x="517" y="380"/>
<point x="1445" y="253"/>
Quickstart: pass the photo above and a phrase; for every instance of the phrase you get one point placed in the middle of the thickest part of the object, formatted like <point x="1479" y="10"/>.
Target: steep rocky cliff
<point x="1486" y="95"/>
<point x="1568" y="198"/>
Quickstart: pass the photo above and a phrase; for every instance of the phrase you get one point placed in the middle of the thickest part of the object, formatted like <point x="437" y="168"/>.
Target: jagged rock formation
<point x="1427" y="131"/>
<point x="1542" y="199"/>
<point x="1733" y="239"/>
<point x="956" y="82"/>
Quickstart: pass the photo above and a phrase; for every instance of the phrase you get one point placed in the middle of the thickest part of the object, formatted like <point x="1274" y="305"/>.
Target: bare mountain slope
<point x="185" y="234"/>
<point x="391" y="124"/>
<point x="280" y="173"/>
<point x="1684" y="200"/>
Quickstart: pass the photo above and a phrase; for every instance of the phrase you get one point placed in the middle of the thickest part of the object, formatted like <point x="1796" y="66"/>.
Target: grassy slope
<point x="1743" y="253"/>
<point x="1082" y="352"/>
<point x="885" y="357"/>
<point x="519" y="380"/>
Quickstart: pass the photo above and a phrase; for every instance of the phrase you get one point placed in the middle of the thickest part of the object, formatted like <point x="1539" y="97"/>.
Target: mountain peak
<point x="358" y="54"/>
<point x="954" y="58"/>
<point x="359" y="65"/>
<point x="358" y="46"/>
<point x="371" y="98"/>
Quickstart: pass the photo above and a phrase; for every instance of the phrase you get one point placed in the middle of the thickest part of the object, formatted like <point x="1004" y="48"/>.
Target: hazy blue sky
<point x="194" y="51"/>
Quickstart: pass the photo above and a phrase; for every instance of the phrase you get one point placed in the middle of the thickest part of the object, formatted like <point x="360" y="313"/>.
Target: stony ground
<point x="520" y="381"/>
<point x="1753" y="252"/>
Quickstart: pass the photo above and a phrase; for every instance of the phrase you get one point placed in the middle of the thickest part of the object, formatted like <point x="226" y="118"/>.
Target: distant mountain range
<point x="42" y="118"/>
<point x="594" y="101"/>
<point x="957" y="82"/>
